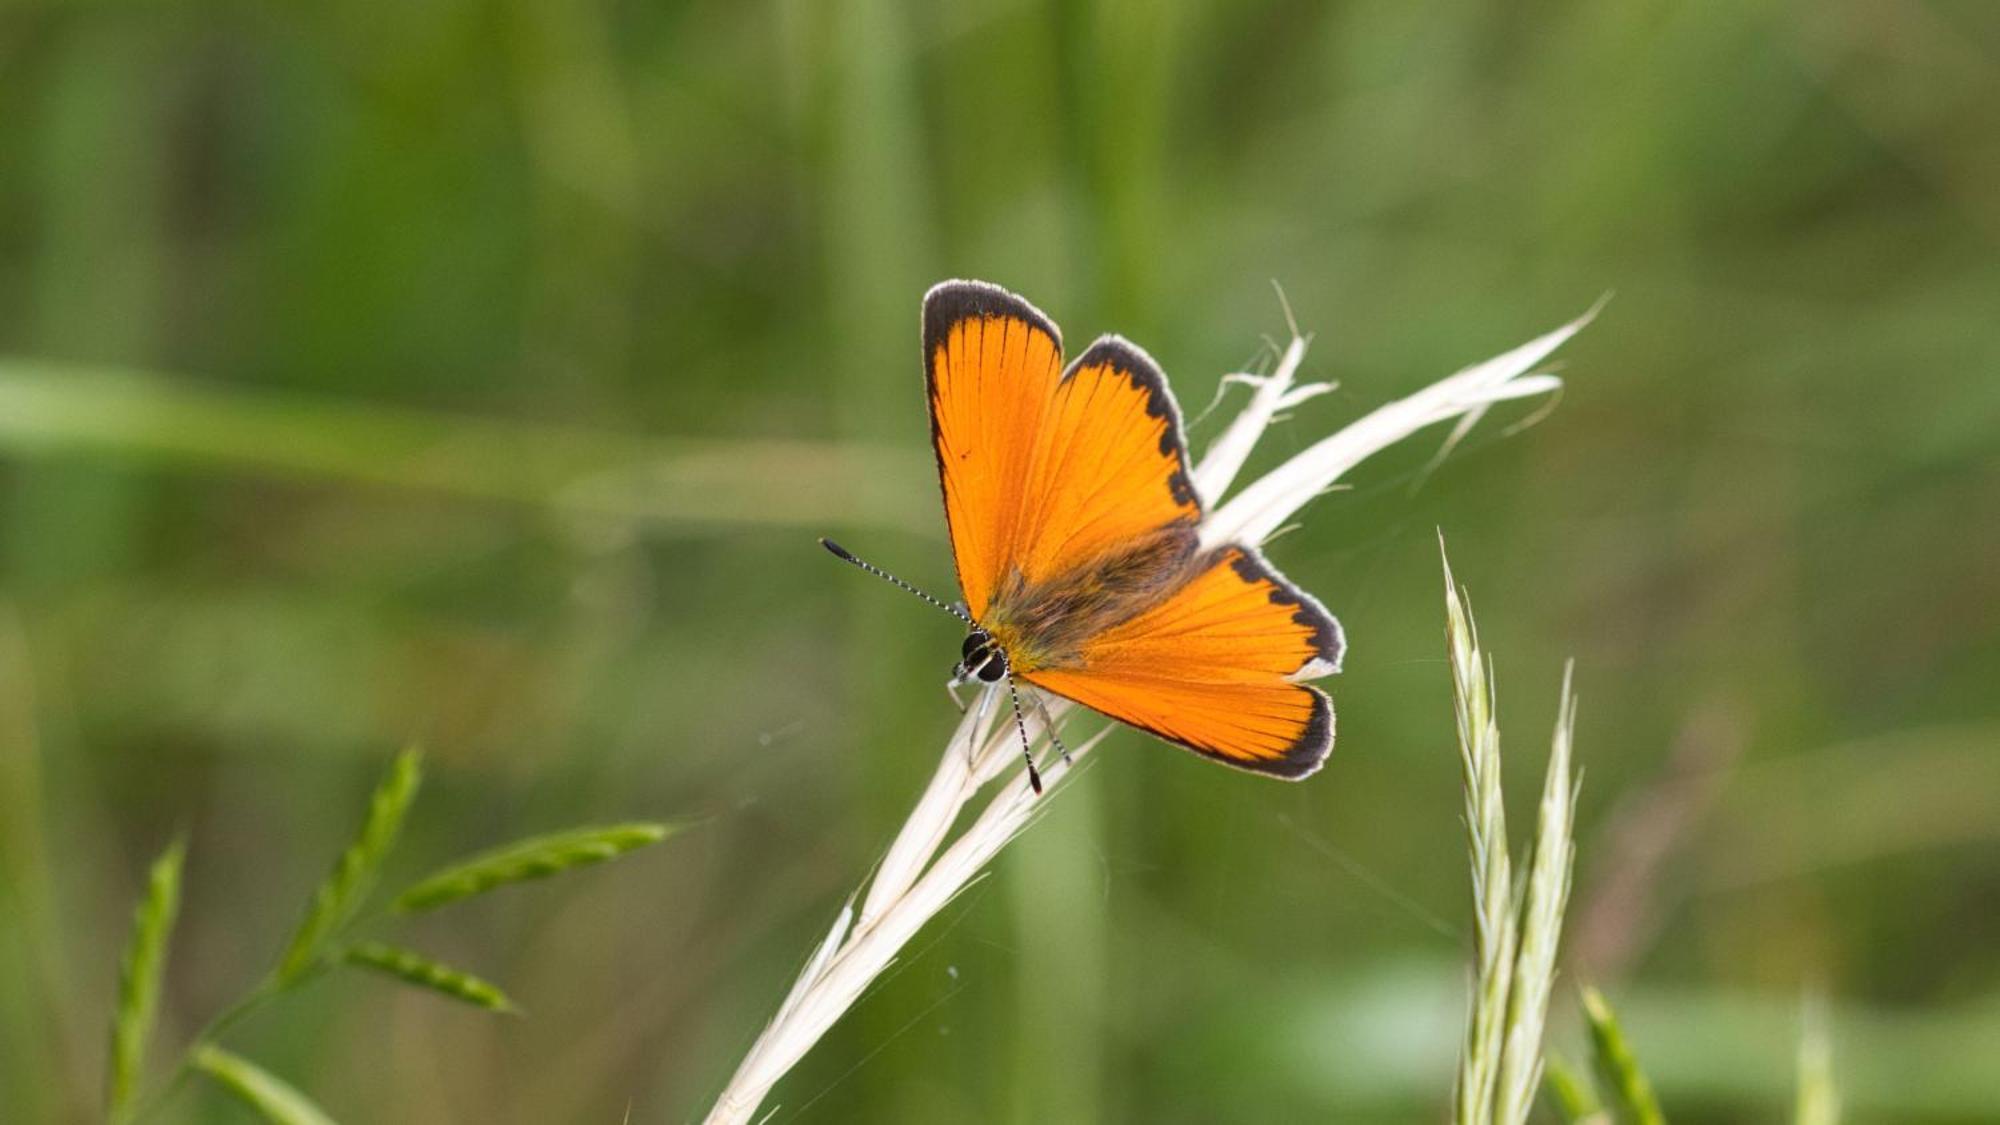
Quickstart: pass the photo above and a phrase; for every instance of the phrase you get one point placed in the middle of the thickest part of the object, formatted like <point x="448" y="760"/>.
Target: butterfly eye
<point x="994" y="668"/>
<point x="975" y="642"/>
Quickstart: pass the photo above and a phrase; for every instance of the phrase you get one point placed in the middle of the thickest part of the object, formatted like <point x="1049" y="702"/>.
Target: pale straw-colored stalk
<point x="927" y="865"/>
<point x="1516" y="930"/>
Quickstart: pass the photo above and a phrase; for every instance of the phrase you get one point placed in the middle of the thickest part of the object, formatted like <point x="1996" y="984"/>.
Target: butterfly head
<point x="980" y="659"/>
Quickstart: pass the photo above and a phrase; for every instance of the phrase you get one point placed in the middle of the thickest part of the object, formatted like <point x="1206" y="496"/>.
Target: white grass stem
<point x="936" y="810"/>
<point x="920" y="877"/>
<point x="1274" y="392"/>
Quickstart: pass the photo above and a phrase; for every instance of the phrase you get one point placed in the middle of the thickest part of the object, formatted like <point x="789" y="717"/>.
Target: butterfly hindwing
<point x="1044" y="469"/>
<point x="1214" y="667"/>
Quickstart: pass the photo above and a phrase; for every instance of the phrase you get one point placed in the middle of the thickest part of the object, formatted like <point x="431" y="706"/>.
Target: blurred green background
<point x="480" y="374"/>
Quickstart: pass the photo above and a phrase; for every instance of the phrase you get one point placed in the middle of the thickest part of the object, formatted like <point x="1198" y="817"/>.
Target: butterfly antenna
<point x="1021" y="725"/>
<point x="840" y="553"/>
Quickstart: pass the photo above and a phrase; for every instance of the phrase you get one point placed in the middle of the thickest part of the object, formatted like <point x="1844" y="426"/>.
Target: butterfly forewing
<point x="1044" y="471"/>
<point x="991" y="362"/>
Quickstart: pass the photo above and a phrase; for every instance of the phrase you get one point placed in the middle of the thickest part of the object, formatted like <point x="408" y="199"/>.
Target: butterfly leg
<point x="985" y="699"/>
<point x="1027" y="751"/>
<point x="972" y="742"/>
<point x="1049" y="724"/>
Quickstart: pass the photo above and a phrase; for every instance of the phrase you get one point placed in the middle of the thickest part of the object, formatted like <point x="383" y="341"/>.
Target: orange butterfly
<point x="1075" y="526"/>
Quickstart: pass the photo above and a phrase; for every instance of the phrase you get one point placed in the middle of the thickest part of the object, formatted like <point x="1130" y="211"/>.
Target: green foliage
<point x="414" y="968"/>
<point x="1574" y="1097"/>
<point x="144" y="416"/>
<point x="139" y="978"/>
<point x="1617" y="1065"/>
<point x="331" y="913"/>
<point x="336" y="898"/>
<point x="1818" y="1096"/>
<point x="277" y="1100"/>
<point x="534" y="858"/>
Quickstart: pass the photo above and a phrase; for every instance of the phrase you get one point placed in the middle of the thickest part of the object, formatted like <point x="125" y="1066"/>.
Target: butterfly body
<point x="1046" y="624"/>
<point x="1077" y="534"/>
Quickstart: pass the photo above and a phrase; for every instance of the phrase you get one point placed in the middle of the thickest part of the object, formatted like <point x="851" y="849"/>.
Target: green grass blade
<point x="349" y="881"/>
<point x="414" y="968"/>
<point x="1575" y="1098"/>
<point x="139" y="978"/>
<point x="533" y="858"/>
<point x="53" y="409"/>
<point x="262" y="1091"/>
<point x="1818" y="1098"/>
<point x="1617" y="1065"/>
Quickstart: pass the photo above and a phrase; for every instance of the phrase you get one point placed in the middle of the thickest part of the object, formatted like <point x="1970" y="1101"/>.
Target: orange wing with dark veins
<point x="1044" y="469"/>
<point x="1214" y="668"/>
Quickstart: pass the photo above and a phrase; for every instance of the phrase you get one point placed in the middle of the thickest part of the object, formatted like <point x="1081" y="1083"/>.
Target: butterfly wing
<point x="1214" y="667"/>
<point x="1042" y="467"/>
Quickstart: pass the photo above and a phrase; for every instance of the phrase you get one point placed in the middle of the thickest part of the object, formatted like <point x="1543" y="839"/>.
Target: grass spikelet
<point x="354" y="873"/>
<point x="414" y="968"/>
<point x="535" y="858"/>
<point x="1515" y="934"/>
<point x="1494" y="935"/>
<point x="258" y="1088"/>
<point x="139" y="978"/>
<point x="1547" y="895"/>
<point x="1617" y="1065"/>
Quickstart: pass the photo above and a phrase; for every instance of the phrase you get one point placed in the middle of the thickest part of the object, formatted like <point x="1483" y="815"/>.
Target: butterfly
<point x="1075" y="528"/>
